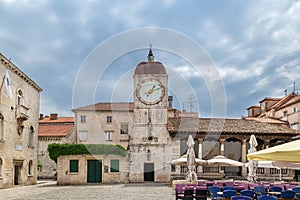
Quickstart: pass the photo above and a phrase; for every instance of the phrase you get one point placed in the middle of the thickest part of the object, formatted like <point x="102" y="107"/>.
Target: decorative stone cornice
<point x="13" y="68"/>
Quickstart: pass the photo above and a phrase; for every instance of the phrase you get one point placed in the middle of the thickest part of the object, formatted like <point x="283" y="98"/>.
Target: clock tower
<point x="150" y="143"/>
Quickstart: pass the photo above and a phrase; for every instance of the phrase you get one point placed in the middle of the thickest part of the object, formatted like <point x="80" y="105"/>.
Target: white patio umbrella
<point x="224" y="161"/>
<point x="183" y="161"/>
<point x="252" y="166"/>
<point x="191" y="174"/>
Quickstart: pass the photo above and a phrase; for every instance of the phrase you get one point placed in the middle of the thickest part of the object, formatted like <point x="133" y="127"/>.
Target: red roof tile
<point x="61" y="130"/>
<point x="58" y="120"/>
<point x="266" y="120"/>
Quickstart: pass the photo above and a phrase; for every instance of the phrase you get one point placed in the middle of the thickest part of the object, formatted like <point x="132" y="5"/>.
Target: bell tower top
<point x="151" y="66"/>
<point x="150" y="55"/>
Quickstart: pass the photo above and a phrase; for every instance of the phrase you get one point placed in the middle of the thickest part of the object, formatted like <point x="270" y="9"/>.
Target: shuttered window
<point x="73" y="165"/>
<point x="114" y="165"/>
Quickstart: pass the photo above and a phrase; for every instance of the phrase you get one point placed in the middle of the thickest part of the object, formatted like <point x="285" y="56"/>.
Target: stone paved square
<point x="49" y="190"/>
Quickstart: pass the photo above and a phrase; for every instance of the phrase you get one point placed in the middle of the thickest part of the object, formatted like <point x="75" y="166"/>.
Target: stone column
<point x="200" y="141"/>
<point x="222" y="150"/>
<point x="244" y="157"/>
<point x="266" y="143"/>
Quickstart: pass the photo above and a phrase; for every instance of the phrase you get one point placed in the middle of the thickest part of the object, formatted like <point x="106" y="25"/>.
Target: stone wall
<point x="64" y="176"/>
<point x="20" y="113"/>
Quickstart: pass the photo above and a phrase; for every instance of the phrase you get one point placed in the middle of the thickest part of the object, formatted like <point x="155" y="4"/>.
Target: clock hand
<point x="150" y="91"/>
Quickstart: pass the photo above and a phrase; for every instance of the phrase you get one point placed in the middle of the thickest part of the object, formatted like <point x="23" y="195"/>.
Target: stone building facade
<point x="52" y="129"/>
<point x="104" y="123"/>
<point x="285" y="109"/>
<point x="82" y="169"/>
<point x="156" y="133"/>
<point x="19" y="113"/>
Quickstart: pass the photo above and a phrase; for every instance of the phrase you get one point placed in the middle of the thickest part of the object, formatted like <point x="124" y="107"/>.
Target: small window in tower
<point x="295" y="109"/>
<point x="124" y="128"/>
<point x="30" y="167"/>
<point x="109" y="119"/>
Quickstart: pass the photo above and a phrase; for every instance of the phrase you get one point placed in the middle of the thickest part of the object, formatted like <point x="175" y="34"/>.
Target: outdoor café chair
<point x="259" y="190"/>
<point x="227" y="194"/>
<point x="265" y="197"/>
<point x="200" y="194"/>
<point x="179" y="190"/>
<point x="188" y="193"/>
<point x="240" y="198"/>
<point x="213" y="190"/>
<point x="297" y="191"/>
<point x="275" y="189"/>
<point x="228" y="188"/>
<point x="248" y="193"/>
<point x="287" y="195"/>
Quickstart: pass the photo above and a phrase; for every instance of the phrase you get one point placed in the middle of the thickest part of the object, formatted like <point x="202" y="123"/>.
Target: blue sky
<point x="255" y="46"/>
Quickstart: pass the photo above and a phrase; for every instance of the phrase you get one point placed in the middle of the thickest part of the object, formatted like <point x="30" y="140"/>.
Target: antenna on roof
<point x="294" y="86"/>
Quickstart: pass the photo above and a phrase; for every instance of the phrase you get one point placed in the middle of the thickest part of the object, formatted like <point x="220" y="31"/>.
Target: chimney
<point x="53" y="116"/>
<point x="170" y="99"/>
<point x="41" y="116"/>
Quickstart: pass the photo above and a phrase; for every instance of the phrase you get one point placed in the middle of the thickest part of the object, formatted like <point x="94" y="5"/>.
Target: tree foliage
<point x="56" y="150"/>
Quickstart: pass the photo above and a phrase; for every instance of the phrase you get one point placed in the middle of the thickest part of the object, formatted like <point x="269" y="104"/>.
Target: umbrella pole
<point x="280" y="174"/>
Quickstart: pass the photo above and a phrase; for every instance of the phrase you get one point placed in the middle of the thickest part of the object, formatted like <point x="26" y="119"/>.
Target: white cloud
<point x="187" y="71"/>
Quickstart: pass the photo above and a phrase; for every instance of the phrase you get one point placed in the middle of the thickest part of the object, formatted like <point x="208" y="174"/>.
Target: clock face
<point x="150" y="92"/>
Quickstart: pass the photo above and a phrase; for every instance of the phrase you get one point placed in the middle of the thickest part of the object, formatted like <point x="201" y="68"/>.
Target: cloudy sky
<point x="254" y="46"/>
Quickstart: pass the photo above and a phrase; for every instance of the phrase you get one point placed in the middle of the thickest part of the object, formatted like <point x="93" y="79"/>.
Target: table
<point x="274" y="193"/>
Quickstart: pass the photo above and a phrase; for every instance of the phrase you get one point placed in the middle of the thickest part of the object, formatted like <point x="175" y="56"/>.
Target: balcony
<point x="22" y="112"/>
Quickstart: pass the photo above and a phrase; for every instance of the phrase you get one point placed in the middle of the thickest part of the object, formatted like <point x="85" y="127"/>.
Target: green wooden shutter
<point x="73" y="165"/>
<point x="114" y="165"/>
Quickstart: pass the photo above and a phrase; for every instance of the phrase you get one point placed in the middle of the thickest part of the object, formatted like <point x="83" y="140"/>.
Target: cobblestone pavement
<point x="49" y="190"/>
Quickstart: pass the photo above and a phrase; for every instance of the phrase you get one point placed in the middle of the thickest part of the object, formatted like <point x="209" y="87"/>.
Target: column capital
<point x="200" y="140"/>
<point x="222" y="140"/>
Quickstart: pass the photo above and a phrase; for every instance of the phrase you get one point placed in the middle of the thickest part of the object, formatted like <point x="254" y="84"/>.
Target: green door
<point x="94" y="171"/>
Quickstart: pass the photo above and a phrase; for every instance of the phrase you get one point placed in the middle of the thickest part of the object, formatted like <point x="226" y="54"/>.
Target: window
<point x="109" y="119"/>
<point x="285" y="113"/>
<point x="20" y="97"/>
<point x="295" y="109"/>
<point x="73" y="165"/>
<point x="82" y="118"/>
<point x="30" y="167"/>
<point x="109" y="136"/>
<point x="1" y="127"/>
<point x="114" y="165"/>
<point x="124" y="128"/>
<point x="173" y="168"/>
<point x="83" y="136"/>
<point x="30" y="139"/>
<point x="1" y="164"/>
